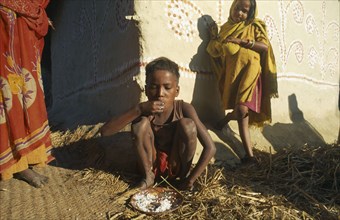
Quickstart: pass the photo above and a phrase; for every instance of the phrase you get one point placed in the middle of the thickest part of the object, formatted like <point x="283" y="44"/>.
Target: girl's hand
<point x="151" y="107"/>
<point x="233" y="40"/>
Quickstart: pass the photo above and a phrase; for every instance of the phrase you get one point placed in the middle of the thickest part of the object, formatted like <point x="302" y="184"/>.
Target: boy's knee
<point x="187" y="127"/>
<point x="139" y="128"/>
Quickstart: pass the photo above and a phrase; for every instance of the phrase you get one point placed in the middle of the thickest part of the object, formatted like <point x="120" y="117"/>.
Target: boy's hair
<point x="161" y="63"/>
<point x="251" y="13"/>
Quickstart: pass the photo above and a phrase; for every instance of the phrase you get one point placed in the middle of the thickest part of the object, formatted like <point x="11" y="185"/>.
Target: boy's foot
<point x="146" y="182"/>
<point x="31" y="177"/>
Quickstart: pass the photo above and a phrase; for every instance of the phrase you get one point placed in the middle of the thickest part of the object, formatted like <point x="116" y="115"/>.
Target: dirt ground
<point x="80" y="187"/>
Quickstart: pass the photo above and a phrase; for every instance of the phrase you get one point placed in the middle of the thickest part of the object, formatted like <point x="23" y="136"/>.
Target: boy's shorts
<point x="162" y="166"/>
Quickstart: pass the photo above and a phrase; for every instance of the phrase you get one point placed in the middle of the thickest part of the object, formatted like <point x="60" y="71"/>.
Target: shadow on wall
<point x="46" y="64"/>
<point x="338" y="142"/>
<point x="298" y="133"/>
<point x="94" y="55"/>
<point x="206" y="98"/>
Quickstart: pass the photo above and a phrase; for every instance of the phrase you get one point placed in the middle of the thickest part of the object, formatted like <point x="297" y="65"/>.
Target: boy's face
<point x="240" y="11"/>
<point x="162" y="86"/>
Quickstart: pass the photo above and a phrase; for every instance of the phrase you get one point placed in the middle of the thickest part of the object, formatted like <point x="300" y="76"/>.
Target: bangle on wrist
<point x="247" y="45"/>
<point x="252" y="44"/>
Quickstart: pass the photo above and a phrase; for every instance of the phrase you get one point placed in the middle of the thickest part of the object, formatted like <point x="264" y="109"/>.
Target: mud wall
<point x="99" y="50"/>
<point x="94" y="61"/>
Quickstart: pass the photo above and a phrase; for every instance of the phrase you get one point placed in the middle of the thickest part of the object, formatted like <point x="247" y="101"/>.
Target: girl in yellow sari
<point x="243" y="61"/>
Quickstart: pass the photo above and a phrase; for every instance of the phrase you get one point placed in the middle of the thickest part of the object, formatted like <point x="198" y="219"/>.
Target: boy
<point x="165" y="130"/>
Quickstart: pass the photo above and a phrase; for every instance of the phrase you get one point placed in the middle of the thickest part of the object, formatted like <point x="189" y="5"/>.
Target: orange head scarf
<point x="33" y="12"/>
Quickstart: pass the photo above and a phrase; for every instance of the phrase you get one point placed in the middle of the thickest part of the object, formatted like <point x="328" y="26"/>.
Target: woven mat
<point x="62" y="198"/>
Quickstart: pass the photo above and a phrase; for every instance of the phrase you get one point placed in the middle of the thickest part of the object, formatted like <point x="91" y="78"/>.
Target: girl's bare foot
<point x="31" y="177"/>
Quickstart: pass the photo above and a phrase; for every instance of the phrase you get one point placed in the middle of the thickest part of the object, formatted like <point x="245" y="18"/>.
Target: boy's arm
<point x="209" y="148"/>
<point x="117" y="123"/>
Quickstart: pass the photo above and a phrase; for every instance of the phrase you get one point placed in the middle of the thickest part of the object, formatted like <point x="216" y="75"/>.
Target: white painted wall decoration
<point x="182" y="14"/>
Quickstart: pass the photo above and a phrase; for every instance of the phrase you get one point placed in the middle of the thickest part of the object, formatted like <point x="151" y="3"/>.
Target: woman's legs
<point x="144" y="142"/>
<point x="184" y="147"/>
<point x="23" y="168"/>
<point x="31" y="177"/>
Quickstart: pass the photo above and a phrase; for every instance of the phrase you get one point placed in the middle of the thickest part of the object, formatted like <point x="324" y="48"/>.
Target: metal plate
<point x="156" y="200"/>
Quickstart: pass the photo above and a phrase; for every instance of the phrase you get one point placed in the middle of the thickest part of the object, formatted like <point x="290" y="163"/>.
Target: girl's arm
<point x="249" y="44"/>
<point x="209" y="148"/>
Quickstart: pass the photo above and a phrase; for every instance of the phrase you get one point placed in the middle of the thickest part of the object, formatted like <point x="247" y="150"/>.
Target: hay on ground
<point x="294" y="183"/>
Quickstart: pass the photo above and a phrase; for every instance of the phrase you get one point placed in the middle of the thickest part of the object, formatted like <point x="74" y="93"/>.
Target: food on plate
<point x="156" y="200"/>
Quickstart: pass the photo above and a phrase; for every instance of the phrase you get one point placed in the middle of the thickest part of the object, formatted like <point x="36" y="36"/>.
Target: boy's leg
<point x="144" y="142"/>
<point x="243" y="125"/>
<point x="184" y="147"/>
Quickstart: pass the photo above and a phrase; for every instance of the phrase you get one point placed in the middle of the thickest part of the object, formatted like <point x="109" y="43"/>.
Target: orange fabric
<point x="32" y="11"/>
<point x="37" y="157"/>
<point x="162" y="165"/>
<point x="23" y="117"/>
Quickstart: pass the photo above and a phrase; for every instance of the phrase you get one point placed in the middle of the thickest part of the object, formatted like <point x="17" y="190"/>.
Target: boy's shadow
<point x="297" y="133"/>
<point x="113" y="153"/>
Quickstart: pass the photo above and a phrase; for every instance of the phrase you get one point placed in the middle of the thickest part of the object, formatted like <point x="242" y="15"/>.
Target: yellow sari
<point x="240" y="71"/>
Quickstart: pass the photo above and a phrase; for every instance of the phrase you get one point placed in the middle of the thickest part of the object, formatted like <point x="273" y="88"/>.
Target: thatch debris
<point x="68" y="137"/>
<point x="293" y="183"/>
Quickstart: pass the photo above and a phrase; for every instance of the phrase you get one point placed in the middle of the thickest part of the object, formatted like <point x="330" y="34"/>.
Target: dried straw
<point x="100" y="181"/>
<point x="68" y="137"/>
<point x="297" y="184"/>
<point x="294" y="183"/>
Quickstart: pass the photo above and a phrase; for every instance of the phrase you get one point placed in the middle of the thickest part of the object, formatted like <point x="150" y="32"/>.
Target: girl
<point x="244" y="64"/>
